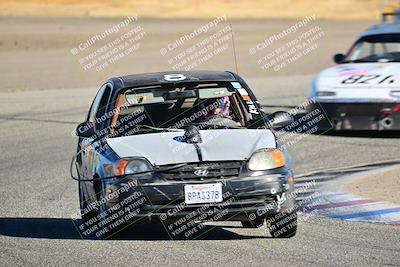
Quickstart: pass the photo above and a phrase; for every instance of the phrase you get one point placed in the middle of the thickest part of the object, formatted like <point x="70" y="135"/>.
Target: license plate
<point x="203" y="193"/>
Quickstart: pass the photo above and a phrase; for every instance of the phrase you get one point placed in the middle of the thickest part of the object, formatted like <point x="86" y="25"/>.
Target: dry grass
<point x="234" y="9"/>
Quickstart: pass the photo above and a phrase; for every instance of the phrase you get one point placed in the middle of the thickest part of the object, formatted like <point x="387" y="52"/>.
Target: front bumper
<point x="264" y="195"/>
<point x="359" y="116"/>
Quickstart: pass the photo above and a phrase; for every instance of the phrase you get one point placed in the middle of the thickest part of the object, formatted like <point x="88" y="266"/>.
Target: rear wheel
<point x="283" y="225"/>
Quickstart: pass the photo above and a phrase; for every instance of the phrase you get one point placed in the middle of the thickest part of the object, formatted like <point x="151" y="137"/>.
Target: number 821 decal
<point x="368" y="79"/>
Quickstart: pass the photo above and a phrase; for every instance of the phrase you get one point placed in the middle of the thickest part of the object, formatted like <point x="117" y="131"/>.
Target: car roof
<point x="154" y="78"/>
<point x="382" y="28"/>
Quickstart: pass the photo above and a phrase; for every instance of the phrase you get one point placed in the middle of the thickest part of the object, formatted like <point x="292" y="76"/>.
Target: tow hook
<point x="385" y="121"/>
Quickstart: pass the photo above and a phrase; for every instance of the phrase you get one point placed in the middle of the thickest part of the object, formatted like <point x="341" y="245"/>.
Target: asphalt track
<point x="39" y="199"/>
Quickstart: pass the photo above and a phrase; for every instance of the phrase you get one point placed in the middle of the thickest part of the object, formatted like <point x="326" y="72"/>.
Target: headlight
<point x="266" y="159"/>
<point x="325" y="93"/>
<point x="131" y="166"/>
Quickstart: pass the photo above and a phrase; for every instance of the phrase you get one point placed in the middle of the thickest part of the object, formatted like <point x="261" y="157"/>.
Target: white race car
<point x="363" y="91"/>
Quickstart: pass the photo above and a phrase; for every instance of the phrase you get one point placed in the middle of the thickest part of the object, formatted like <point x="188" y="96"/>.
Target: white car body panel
<point x="380" y="83"/>
<point x="170" y="148"/>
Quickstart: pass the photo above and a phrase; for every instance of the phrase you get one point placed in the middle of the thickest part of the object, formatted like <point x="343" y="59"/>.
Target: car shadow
<point x="63" y="228"/>
<point x="361" y="134"/>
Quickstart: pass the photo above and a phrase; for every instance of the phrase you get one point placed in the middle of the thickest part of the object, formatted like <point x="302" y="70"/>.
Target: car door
<point x="101" y="123"/>
<point x="89" y="146"/>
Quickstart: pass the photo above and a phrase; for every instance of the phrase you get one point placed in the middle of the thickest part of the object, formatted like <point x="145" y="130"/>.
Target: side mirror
<point x="338" y="58"/>
<point x="280" y="119"/>
<point x="85" y="129"/>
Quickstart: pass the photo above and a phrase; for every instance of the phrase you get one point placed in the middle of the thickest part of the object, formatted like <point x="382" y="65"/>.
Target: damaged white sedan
<point x="188" y="143"/>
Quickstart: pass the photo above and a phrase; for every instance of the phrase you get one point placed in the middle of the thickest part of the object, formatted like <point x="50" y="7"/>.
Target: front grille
<point x="205" y="171"/>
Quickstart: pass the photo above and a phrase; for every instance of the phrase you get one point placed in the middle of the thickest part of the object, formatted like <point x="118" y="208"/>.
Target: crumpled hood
<point x="379" y="82"/>
<point x="170" y="148"/>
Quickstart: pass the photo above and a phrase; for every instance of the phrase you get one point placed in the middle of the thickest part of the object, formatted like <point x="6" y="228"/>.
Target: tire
<point x="83" y="204"/>
<point x="105" y="232"/>
<point x="284" y="226"/>
<point x="257" y="223"/>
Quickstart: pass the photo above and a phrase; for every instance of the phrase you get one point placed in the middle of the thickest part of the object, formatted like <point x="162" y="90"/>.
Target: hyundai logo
<point x="201" y="172"/>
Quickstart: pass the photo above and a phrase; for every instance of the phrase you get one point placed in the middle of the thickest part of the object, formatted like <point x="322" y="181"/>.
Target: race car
<point x="180" y="148"/>
<point x="363" y="91"/>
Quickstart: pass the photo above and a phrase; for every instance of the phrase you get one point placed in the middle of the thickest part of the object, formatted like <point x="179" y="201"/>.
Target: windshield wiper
<point x="216" y="126"/>
<point x="143" y="126"/>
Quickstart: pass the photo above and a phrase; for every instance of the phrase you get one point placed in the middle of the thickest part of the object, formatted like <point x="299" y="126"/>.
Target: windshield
<point x="217" y="105"/>
<point x="376" y="48"/>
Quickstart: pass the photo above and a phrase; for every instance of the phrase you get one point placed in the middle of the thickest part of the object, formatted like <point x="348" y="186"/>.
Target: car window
<point x="96" y="103"/>
<point x="102" y="107"/>
<point x="376" y="48"/>
<point x="199" y="104"/>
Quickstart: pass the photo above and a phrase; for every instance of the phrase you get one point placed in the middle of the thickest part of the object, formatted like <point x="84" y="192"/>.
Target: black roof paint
<point x="145" y="79"/>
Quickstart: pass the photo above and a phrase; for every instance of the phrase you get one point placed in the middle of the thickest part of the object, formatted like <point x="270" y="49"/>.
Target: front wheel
<point x="283" y="225"/>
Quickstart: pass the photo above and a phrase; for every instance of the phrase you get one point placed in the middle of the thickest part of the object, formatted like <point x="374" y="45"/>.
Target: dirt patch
<point x="259" y="9"/>
<point x="36" y="52"/>
<point x="381" y="186"/>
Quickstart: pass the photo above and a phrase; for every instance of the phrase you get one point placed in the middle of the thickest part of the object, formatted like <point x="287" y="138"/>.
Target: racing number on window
<point x="365" y="79"/>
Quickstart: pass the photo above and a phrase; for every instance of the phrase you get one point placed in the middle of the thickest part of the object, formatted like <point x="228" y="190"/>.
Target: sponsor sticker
<point x="236" y="85"/>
